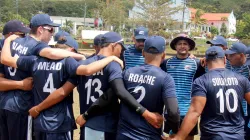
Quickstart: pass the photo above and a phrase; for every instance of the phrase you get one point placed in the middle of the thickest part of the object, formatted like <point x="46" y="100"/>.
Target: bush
<point x="246" y="42"/>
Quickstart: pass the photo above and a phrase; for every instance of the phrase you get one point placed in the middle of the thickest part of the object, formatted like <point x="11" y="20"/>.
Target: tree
<point x="197" y="20"/>
<point x="243" y="27"/>
<point x="214" y="31"/>
<point x="68" y="26"/>
<point x="154" y="14"/>
<point x="223" y="29"/>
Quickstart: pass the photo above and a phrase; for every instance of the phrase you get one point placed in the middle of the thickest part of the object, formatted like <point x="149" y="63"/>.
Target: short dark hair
<point x="33" y="30"/>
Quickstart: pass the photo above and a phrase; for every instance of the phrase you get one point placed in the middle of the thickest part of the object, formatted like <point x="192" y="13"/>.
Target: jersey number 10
<point x="220" y="95"/>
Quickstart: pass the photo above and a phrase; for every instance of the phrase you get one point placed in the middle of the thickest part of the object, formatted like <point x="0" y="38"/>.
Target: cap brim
<point x="25" y="30"/>
<point x="175" y="40"/>
<point x="213" y="42"/>
<point x="54" y="24"/>
<point x="229" y="52"/>
<point x="140" y="37"/>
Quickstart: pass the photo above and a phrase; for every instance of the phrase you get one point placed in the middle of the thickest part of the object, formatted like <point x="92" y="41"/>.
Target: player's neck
<point x="105" y="52"/>
<point x="35" y="37"/>
<point x="153" y="62"/>
<point x="182" y="56"/>
<point x="216" y="66"/>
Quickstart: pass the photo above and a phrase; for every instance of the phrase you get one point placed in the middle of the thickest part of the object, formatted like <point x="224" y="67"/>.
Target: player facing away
<point x="184" y="70"/>
<point x="56" y="122"/>
<point x="102" y="122"/>
<point x="153" y="88"/>
<point x="217" y="98"/>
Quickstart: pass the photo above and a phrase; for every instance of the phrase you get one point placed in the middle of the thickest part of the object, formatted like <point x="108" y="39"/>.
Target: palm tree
<point x="197" y="20"/>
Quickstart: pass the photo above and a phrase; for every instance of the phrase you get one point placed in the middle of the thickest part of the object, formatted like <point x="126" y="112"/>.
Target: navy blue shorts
<point x="13" y="125"/>
<point x="52" y="136"/>
<point x="222" y="136"/>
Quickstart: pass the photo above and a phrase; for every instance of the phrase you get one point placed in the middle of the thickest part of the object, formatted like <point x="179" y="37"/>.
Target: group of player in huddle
<point x="119" y="100"/>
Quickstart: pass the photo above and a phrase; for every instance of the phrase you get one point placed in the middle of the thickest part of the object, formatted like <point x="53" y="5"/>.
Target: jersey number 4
<point x="229" y="92"/>
<point x="91" y="83"/>
<point x="49" y="85"/>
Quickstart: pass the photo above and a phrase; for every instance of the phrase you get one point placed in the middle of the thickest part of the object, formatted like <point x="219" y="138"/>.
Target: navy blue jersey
<point x="224" y="91"/>
<point x="244" y="71"/>
<point x="133" y="57"/>
<point x="184" y="71"/>
<point x="150" y="86"/>
<point x="18" y="100"/>
<point x="91" y="87"/>
<point x="49" y="75"/>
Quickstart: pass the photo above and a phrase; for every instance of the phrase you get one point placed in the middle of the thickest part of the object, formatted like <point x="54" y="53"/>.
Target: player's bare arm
<point x="7" y="84"/>
<point x="54" y="98"/>
<point x="56" y="54"/>
<point x="6" y="57"/>
<point x="97" y="66"/>
<point x="194" y="112"/>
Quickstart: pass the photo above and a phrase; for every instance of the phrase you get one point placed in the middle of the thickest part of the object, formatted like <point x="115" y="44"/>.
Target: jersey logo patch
<point x="187" y="67"/>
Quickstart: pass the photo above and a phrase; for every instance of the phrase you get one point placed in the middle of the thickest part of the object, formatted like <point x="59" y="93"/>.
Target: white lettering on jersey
<point x="19" y="48"/>
<point x="49" y="66"/>
<point x="99" y="73"/>
<point x="147" y="79"/>
<point x="224" y="81"/>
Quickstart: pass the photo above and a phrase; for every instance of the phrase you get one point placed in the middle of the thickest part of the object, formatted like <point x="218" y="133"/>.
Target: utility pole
<point x="183" y="14"/>
<point x="85" y="12"/>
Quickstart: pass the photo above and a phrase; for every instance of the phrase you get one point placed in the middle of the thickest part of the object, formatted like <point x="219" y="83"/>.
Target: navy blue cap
<point x="214" y="52"/>
<point x="191" y="43"/>
<point x="59" y="34"/>
<point x="141" y="33"/>
<point x="97" y="40"/>
<point x="42" y="19"/>
<point x="155" y="44"/>
<point x="15" y="26"/>
<point x="70" y="41"/>
<point x="112" y="37"/>
<point x="237" y="48"/>
<point x="218" y="40"/>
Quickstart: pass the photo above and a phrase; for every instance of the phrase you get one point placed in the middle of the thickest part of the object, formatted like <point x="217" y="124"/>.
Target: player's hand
<point x="83" y="57"/>
<point x="80" y="121"/>
<point x="155" y="119"/>
<point x="118" y="60"/>
<point x="34" y="112"/>
<point x="192" y="56"/>
<point x="27" y="84"/>
<point x="12" y="37"/>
